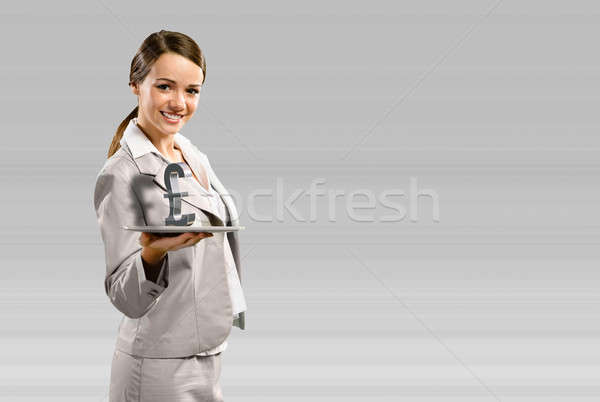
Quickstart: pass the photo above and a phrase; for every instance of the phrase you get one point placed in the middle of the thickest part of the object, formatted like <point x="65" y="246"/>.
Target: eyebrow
<point x="170" y="80"/>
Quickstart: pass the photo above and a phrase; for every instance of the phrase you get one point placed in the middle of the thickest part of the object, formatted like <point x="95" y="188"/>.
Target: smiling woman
<point x="181" y="295"/>
<point x="169" y="94"/>
<point x="166" y="74"/>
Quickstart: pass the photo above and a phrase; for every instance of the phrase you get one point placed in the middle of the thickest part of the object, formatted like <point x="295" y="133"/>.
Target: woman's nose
<point x="178" y="100"/>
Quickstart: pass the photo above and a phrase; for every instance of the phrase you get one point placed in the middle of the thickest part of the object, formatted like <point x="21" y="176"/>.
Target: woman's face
<point x="168" y="96"/>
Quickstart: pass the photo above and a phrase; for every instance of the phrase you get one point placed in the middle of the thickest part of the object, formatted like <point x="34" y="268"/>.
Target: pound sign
<point x="172" y="174"/>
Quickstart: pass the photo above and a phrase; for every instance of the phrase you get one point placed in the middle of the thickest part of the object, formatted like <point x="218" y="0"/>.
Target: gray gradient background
<point x="493" y="105"/>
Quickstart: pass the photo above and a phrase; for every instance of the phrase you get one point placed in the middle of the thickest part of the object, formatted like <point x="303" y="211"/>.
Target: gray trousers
<point x="142" y="379"/>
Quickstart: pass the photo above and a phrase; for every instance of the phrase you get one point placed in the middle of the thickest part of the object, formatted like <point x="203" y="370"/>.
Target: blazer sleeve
<point x="125" y="282"/>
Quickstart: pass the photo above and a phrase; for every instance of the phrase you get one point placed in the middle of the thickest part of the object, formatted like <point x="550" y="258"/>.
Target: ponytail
<point x="115" y="145"/>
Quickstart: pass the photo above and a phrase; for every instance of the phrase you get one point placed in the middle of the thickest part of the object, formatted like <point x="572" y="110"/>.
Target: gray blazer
<point x="190" y="310"/>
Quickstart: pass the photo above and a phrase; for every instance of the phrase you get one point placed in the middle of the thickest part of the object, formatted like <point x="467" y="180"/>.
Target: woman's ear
<point x="134" y="88"/>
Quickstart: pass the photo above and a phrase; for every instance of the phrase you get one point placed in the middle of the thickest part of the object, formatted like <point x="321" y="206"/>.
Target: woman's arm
<point x="126" y="283"/>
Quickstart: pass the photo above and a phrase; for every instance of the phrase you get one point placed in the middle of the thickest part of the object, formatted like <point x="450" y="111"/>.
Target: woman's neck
<point x="165" y="144"/>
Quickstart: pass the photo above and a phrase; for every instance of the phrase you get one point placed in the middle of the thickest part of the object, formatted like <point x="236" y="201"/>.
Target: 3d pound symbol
<point x="172" y="174"/>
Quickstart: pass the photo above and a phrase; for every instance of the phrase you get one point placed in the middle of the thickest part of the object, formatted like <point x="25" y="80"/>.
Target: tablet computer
<point x="177" y="230"/>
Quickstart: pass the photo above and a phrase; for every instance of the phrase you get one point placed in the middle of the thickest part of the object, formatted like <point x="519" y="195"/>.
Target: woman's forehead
<point x="177" y="68"/>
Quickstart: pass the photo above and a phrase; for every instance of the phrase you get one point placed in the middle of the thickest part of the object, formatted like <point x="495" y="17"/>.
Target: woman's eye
<point x="194" y="91"/>
<point x="162" y="86"/>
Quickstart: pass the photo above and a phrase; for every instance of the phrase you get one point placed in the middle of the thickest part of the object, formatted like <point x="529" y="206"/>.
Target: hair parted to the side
<point x="151" y="49"/>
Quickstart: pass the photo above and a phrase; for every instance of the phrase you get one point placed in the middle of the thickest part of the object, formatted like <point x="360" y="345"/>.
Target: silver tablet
<point x="176" y="230"/>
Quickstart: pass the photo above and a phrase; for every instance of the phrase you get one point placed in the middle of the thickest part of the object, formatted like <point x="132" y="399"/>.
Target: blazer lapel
<point x="198" y="161"/>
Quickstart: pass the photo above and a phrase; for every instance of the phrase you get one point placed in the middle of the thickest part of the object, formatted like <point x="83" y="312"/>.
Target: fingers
<point x="199" y="236"/>
<point x="172" y="243"/>
<point x="189" y="239"/>
<point x="193" y="236"/>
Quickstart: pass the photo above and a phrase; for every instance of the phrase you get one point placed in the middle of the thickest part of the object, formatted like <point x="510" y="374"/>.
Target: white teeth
<point x="171" y="116"/>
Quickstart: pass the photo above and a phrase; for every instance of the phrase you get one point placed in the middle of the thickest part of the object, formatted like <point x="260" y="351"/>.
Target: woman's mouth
<point x="171" y="118"/>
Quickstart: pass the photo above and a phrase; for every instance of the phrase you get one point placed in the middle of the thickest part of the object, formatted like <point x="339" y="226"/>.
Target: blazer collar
<point x="151" y="162"/>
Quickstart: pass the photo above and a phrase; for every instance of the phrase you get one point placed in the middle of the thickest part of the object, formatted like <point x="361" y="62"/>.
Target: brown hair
<point x="151" y="49"/>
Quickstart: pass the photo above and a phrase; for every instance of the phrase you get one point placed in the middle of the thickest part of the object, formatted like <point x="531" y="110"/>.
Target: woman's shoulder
<point x="115" y="176"/>
<point x="120" y="163"/>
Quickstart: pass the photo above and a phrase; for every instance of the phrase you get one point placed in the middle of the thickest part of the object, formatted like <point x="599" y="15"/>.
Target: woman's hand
<point x="162" y="244"/>
<point x="155" y="248"/>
